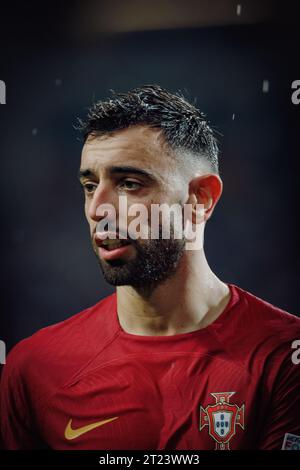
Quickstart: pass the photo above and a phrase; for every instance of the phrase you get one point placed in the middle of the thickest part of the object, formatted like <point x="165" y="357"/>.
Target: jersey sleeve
<point x="284" y="408"/>
<point x="16" y="418"/>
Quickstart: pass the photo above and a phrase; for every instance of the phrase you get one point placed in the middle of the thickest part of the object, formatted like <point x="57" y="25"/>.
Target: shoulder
<point x="263" y="318"/>
<point x="68" y="334"/>
<point x="257" y="333"/>
<point x="56" y="352"/>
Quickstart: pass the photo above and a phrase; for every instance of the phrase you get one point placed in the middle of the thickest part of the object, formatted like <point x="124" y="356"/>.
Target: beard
<point x="154" y="262"/>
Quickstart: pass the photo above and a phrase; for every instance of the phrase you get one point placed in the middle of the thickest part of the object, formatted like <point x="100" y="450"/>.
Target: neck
<point x="192" y="299"/>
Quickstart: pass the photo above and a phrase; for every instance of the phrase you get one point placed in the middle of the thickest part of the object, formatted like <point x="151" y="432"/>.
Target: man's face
<point x="132" y="163"/>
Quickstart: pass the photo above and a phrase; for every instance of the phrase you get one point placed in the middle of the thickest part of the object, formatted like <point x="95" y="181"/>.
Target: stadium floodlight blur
<point x="117" y="16"/>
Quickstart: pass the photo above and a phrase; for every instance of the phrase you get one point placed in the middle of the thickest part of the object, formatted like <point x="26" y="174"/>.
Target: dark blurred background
<point x="238" y="59"/>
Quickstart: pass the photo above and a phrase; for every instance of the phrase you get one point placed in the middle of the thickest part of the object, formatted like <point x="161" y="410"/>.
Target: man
<point x="175" y="358"/>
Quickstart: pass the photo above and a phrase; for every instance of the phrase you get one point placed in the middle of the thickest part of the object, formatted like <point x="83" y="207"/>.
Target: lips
<point x="110" y="241"/>
<point x="112" y="249"/>
<point x="113" y="244"/>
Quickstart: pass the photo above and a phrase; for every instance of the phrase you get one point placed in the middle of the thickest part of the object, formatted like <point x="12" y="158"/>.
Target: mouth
<point x="111" y="245"/>
<point x="112" y="248"/>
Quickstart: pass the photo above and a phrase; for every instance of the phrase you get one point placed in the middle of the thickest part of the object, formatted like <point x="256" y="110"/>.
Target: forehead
<point x="138" y="146"/>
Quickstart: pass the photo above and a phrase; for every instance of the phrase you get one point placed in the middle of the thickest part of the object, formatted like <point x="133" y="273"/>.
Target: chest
<point x="179" y="401"/>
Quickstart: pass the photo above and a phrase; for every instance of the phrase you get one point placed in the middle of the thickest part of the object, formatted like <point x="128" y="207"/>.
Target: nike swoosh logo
<point x="73" y="433"/>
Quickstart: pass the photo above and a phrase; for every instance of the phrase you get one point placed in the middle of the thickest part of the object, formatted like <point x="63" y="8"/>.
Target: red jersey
<point x="85" y="383"/>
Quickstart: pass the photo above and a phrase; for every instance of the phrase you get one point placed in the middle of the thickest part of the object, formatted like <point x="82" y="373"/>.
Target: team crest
<point x="222" y="418"/>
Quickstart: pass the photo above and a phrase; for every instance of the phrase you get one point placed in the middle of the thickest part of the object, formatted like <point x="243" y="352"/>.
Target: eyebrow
<point x="85" y="173"/>
<point x="113" y="170"/>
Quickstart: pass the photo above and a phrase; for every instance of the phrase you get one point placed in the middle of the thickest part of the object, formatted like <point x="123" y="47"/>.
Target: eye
<point x="130" y="185"/>
<point x="89" y="187"/>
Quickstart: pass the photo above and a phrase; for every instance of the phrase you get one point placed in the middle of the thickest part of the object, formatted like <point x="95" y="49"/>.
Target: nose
<point x="103" y="199"/>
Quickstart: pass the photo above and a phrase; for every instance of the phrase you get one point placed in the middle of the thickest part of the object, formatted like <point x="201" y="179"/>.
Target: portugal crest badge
<point x="222" y="418"/>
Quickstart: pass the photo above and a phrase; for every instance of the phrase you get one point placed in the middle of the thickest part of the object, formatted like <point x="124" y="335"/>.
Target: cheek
<point x="140" y="219"/>
<point x="86" y="213"/>
<point x="148" y="206"/>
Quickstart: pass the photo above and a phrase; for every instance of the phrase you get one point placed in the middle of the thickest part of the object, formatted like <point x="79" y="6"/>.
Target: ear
<point x="206" y="190"/>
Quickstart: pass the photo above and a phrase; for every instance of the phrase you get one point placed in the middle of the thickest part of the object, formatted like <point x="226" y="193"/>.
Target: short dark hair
<point x="183" y="125"/>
